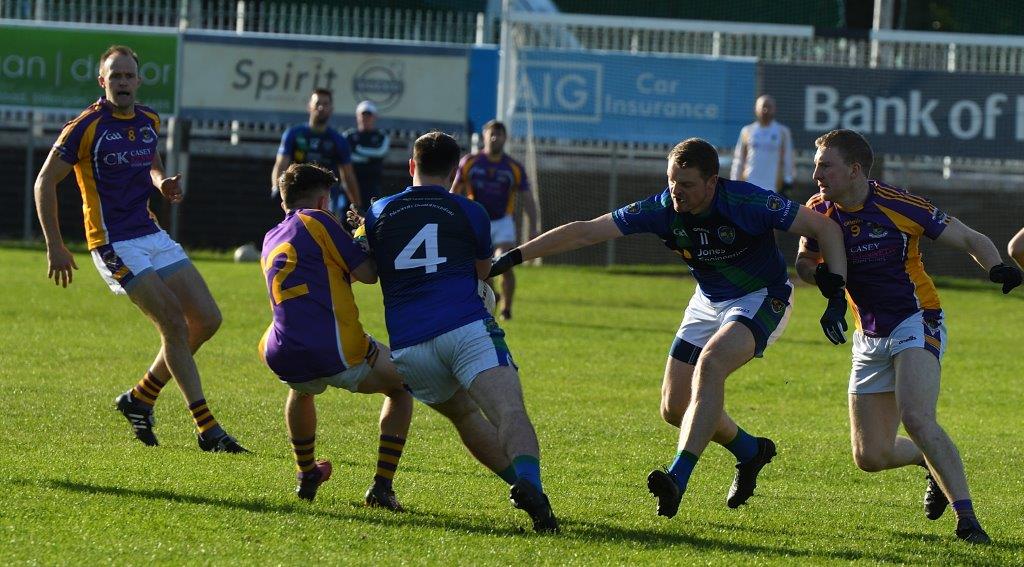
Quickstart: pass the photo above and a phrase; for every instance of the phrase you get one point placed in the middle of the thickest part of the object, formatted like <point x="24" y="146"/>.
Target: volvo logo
<point x="380" y="81"/>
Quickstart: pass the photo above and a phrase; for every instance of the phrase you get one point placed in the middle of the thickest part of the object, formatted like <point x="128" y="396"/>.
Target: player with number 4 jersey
<point x="431" y="248"/>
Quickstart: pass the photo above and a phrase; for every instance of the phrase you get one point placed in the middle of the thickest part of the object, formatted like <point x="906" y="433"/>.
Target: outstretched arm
<point x="977" y="245"/>
<point x="980" y="247"/>
<point x="812" y="224"/>
<point x="59" y="259"/>
<point x="570" y="236"/>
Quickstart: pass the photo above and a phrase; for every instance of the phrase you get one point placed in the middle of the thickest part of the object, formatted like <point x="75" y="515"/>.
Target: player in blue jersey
<point x="432" y="248"/>
<point x="316" y="142"/>
<point x="724" y="231"/>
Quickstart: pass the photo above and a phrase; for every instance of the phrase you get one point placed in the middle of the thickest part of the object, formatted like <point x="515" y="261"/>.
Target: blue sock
<point x="528" y="467"/>
<point x="964" y="509"/>
<point x="682" y="467"/>
<point x="743" y="446"/>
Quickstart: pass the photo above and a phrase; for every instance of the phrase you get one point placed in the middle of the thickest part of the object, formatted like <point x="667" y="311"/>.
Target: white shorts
<point x="121" y="262"/>
<point x="503" y="231"/>
<point x="873" y="371"/>
<point x="434" y="370"/>
<point x="765" y="316"/>
<point x="348" y="379"/>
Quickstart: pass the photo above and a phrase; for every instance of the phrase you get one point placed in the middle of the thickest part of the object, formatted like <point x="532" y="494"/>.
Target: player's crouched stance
<point x="316" y="339"/>
<point x="432" y="248"/>
<point x="725" y="232"/>
<point x="901" y="336"/>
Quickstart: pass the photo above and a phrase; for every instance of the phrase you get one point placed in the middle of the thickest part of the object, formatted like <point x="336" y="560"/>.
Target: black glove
<point x="1009" y="276"/>
<point x="833" y="321"/>
<point x="828" y="283"/>
<point x="505" y="262"/>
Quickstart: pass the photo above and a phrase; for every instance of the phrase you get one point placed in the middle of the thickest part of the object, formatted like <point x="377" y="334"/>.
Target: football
<point x="487" y="294"/>
<point x="247" y="253"/>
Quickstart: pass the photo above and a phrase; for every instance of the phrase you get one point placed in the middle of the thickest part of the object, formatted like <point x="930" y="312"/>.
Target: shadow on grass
<point x="572" y="529"/>
<point x="661" y="330"/>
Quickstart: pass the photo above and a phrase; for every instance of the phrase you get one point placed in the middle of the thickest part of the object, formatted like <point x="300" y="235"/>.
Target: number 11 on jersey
<point x="427" y="237"/>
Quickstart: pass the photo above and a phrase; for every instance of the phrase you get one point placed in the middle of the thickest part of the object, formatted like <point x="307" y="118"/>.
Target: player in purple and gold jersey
<point x="725" y="232"/>
<point x="315" y="339"/>
<point x="112" y="148"/>
<point x="900" y="336"/>
<point x="492" y="178"/>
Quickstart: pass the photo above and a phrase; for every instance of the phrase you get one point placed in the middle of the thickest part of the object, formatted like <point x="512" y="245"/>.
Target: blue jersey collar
<point x="427" y="188"/>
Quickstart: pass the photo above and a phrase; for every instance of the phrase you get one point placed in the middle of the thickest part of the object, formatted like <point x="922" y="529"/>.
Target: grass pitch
<point x="591" y="344"/>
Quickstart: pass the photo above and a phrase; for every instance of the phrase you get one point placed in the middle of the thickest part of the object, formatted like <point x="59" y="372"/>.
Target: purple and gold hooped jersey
<point x="886" y="282"/>
<point x="307" y="262"/>
<point x="112" y="154"/>
<point x="493" y="184"/>
<point x="730" y="249"/>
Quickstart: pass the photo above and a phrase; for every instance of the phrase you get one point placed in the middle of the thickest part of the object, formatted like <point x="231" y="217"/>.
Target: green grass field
<point x="78" y="489"/>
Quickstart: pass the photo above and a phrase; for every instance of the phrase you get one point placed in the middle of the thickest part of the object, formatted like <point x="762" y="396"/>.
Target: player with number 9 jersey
<point x="413" y="234"/>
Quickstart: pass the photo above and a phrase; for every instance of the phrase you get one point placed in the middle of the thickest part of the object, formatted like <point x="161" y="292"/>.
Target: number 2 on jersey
<point x="277" y="291"/>
<point x="427" y="237"/>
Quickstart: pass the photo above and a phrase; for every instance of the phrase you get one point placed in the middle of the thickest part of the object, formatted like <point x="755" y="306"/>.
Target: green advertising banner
<point x="55" y="68"/>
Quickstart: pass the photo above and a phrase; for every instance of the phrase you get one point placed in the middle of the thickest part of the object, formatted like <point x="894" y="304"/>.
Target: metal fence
<point x="886" y="49"/>
<point x="256" y="16"/>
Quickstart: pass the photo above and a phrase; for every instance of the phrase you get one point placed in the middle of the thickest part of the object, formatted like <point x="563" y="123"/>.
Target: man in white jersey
<point x="764" y="152"/>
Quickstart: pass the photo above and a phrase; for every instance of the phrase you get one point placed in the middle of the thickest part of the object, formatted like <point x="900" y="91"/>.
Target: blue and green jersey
<point x="730" y="248"/>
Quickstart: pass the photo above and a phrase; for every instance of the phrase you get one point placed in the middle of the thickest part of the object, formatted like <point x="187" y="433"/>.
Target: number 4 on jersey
<point x="427" y="236"/>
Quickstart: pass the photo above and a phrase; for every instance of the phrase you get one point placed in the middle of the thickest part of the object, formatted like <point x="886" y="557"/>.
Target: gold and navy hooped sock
<point x="146" y="391"/>
<point x="388" y="454"/>
<point x="205" y="423"/>
<point x="304" y="449"/>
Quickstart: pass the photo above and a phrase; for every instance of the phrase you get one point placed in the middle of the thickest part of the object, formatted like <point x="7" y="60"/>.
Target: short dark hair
<point x="121" y="49"/>
<point x="436" y="154"/>
<point x="322" y="92"/>
<point x="303" y="180"/>
<point x="695" y="152"/>
<point x="852" y="147"/>
<point x="494" y="124"/>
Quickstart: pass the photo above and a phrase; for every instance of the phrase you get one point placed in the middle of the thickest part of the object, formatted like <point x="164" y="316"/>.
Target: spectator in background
<point x="316" y="142"/>
<point x="1016" y="248"/>
<point x="764" y="152"/>
<point x="369" y="146"/>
